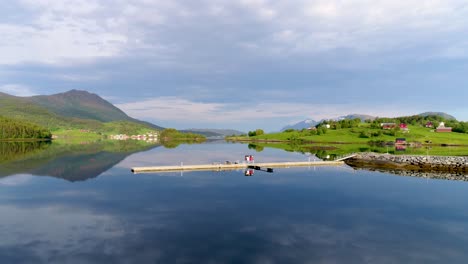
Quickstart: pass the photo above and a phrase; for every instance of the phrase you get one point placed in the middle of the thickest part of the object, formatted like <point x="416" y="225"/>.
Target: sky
<point x="242" y="64"/>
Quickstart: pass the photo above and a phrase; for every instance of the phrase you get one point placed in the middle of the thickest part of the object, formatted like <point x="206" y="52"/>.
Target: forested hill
<point x="17" y="129"/>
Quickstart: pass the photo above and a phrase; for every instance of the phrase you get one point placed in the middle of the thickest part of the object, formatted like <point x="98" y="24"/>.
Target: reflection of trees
<point x="257" y="148"/>
<point x="174" y="143"/>
<point x="20" y="150"/>
<point x="171" y="144"/>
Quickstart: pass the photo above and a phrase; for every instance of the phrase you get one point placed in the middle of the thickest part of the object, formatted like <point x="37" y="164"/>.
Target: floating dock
<point x="221" y="167"/>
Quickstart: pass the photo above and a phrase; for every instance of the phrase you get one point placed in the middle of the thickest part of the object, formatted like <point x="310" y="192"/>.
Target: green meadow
<point x="363" y="138"/>
<point x="363" y="134"/>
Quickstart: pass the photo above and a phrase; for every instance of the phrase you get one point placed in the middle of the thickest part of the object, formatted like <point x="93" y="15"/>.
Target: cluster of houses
<point x="144" y="137"/>
<point x="404" y="127"/>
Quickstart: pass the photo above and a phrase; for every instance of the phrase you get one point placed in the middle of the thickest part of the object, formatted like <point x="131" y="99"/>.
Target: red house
<point x="429" y="124"/>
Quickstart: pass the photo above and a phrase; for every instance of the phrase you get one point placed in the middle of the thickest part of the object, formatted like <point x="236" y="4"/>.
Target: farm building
<point x="429" y="124"/>
<point x="442" y="128"/>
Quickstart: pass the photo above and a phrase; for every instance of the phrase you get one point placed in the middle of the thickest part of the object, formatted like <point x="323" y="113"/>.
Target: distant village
<point x="150" y="137"/>
<point x="441" y="128"/>
<point x="404" y="127"/>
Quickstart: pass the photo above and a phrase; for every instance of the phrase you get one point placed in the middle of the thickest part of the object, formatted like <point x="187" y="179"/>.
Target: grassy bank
<point x="362" y="134"/>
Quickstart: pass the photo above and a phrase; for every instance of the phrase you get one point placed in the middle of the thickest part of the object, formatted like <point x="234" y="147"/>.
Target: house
<point x="429" y="124"/>
<point x="388" y="125"/>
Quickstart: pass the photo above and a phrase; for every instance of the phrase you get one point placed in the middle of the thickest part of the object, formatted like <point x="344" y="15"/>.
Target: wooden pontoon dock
<point x="221" y="167"/>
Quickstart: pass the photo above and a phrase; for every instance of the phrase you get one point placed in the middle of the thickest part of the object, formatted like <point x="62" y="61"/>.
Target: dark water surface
<point x="296" y="215"/>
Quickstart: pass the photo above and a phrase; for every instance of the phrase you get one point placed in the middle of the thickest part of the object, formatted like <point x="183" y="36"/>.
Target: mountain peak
<point x="442" y="114"/>
<point x="354" y="116"/>
<point x="75" y="91"/>
<point x="79" y="94"/>
<point x="301" y="125"/>
<point x="81" y="104"/>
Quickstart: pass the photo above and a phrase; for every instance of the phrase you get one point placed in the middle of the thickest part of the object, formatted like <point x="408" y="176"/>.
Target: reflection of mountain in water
<point x="72" y="162"/>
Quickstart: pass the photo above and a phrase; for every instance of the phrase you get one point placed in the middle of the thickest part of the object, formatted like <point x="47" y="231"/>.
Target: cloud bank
<point x="407" y="54"/>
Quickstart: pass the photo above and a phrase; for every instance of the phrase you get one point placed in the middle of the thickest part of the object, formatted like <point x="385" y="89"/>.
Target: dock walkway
<point x="220" y="167"/>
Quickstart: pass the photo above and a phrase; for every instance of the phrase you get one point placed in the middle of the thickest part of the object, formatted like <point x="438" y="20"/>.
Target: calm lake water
<point x="82" y="204"/>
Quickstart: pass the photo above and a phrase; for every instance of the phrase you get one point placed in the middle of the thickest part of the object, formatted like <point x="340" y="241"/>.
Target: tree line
<point x="18" y="129"/>
<point x="415" y="120"/>
<point x="457" y="126"/>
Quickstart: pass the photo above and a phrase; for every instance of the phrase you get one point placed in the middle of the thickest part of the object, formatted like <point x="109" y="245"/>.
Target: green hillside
<point x="80" y="104"/>
<point x="362" y="133"/>
<point x="74" y="110"/>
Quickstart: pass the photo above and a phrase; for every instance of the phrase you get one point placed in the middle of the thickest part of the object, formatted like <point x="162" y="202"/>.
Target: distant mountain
<point x="442" y="114"/>
<point x="354" y="116"/>
<point x="72" y="109"/>
<point x="80" y="104"/>
<point x="301" y="125"/>
<point x="84" y="105"/>
<point x="211" y="132"/>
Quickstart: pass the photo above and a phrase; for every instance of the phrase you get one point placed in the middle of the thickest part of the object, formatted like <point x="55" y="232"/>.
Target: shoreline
<point x="344" y="143"/>
<point x="420" y="163"/>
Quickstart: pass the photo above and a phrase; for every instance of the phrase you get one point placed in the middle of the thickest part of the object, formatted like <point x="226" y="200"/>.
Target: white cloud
<point x="86" y="30"/>
<point x="64" y="6"/>
<point x="16" y="180"/>
<point x="17" y="90"/>
<point x="59" y="31"/>
<point x="57" y="43"/>
<point x="55" y="224"/>
<point x="171" y="108"/>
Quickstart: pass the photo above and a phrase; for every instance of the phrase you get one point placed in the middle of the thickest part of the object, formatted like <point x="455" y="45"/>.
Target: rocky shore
<point x="450" y="164"/>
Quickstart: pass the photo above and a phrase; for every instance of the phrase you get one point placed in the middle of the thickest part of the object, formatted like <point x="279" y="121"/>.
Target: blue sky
<point x="241" y="64"/>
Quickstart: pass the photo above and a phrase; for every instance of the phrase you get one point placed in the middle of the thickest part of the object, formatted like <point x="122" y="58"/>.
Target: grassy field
<point x="340" y="142"/>
<point x="354" y="135"/>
